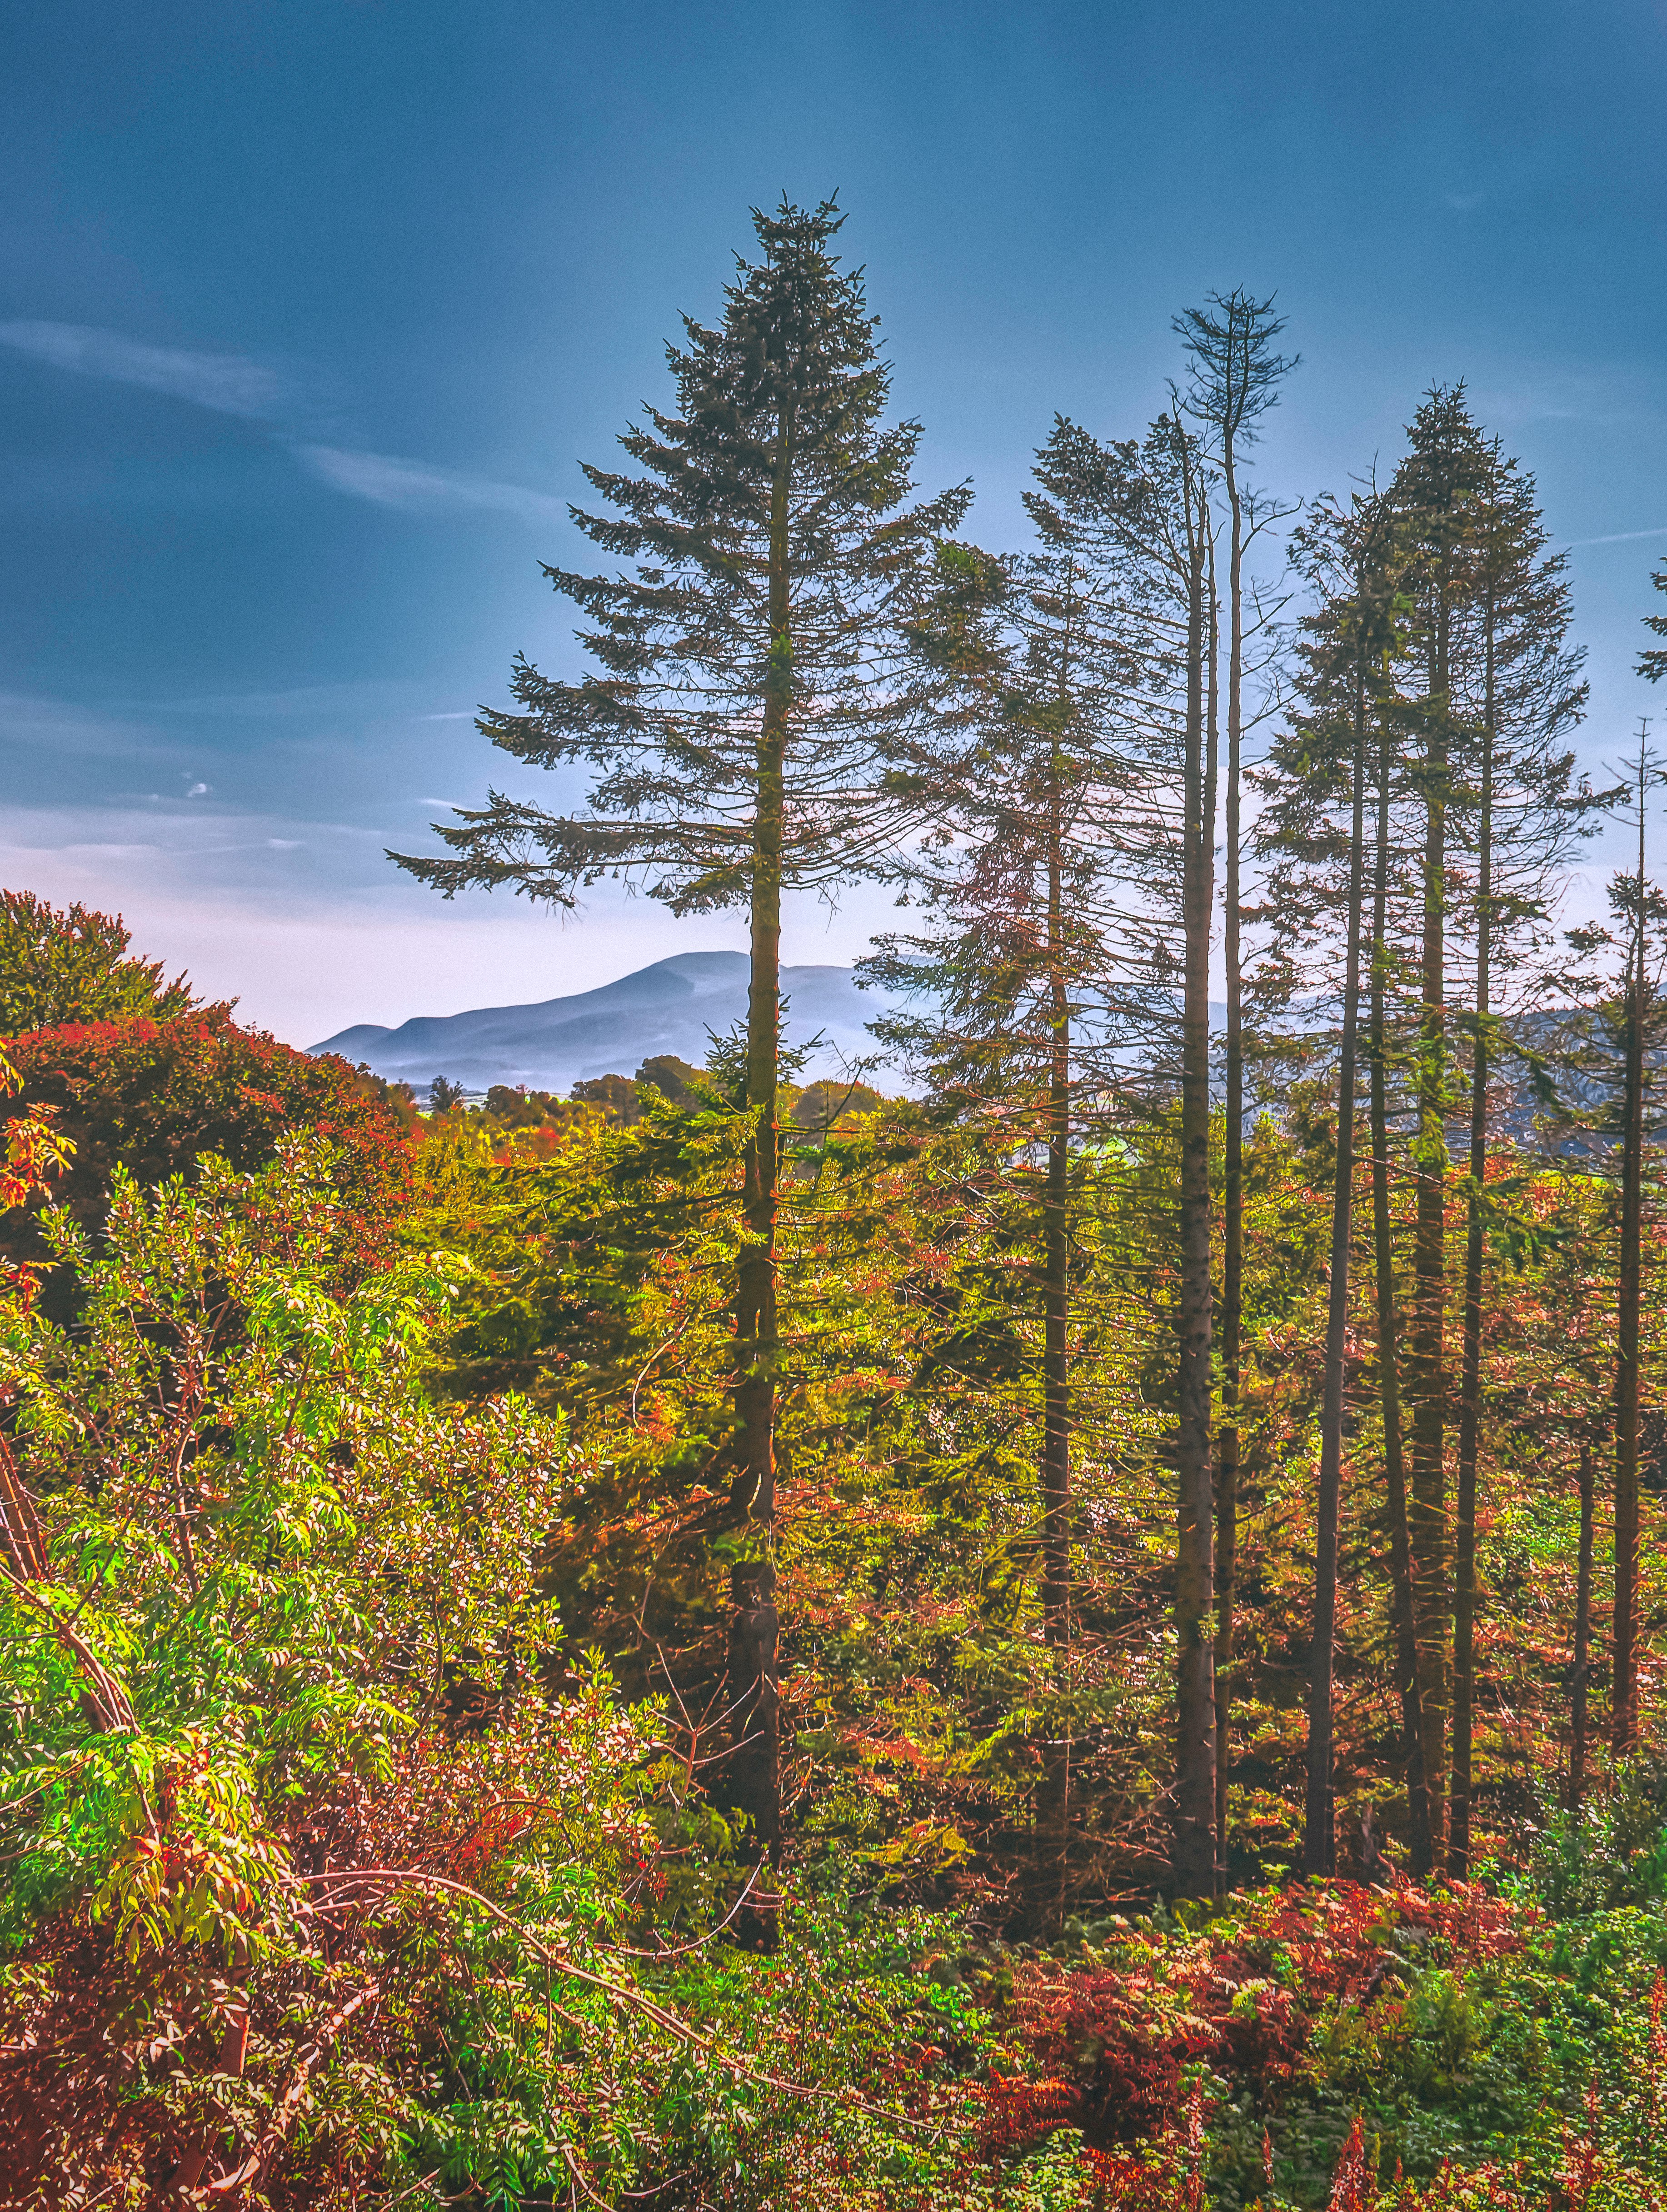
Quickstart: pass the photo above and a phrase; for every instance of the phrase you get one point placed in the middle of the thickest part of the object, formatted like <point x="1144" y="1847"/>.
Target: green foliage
<point x="615" y="1096"/>
<point x="72" y="964"/>
<point x="1613" y="1852"/>
<point x="301" y="1785"/>
<point x="761" y="559"/>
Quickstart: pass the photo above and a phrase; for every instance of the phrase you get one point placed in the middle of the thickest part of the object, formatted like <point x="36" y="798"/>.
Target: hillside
<point x="669" y="1007"/>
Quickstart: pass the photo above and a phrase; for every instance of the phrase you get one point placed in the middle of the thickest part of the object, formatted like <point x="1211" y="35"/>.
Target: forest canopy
<point x="1075" y="1618"/>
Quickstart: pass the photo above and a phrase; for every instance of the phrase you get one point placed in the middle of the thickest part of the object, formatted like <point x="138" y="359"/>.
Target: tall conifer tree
<point x="1237" y="372"/>
<point x="1626" y="1065"/>
<point x="750" y="688"/>
<point x="1027" y="991"/>
<point x="1384" y="978"/>
<point x="1521" y="695"/>
<point x="1436" y="489"/>
<point x="1152" y="507"/>
<point x="1314" y="829"/>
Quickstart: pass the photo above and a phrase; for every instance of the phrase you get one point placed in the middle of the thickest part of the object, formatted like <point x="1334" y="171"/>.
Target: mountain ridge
<point x="668" y="1006"/>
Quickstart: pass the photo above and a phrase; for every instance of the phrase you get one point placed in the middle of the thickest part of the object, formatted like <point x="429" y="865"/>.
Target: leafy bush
<point x="1336" y="2046"/>
<point x="150" y="1096"/>
<point x="72" y="964"/>
<point x="1612" y="1852"/>
<point x="329" y="1874"/>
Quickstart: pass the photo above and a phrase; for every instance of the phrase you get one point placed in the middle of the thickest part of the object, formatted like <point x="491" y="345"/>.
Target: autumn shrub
<point x="72" y="964"/>
<point x="330" y="1873"/>
<point x="153" y="1095"/>
<point x="1352" y="2047"/>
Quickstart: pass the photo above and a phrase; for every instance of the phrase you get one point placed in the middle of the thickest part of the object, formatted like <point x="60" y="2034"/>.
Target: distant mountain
<point x="668" y="1008"/>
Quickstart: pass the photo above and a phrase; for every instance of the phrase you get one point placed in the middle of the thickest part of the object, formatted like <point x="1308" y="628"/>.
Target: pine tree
<point x="1352" y="641"/>
<point x="1383" y="979"/>
<point x="1026" y="992"/>
<point x="1523" y="697"/>
<point x="1642" y="909"/>
<point x="1315" y="828"/>
<point x="753" y="685"/>
<point x="1435" y="488"/>
<point x="1152" y="508"/>
<point x="1653" y="662"/>
<point x="1236" y="376"/>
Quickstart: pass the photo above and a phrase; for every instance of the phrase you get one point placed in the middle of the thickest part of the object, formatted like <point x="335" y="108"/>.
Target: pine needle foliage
<point x="772" y="560"/>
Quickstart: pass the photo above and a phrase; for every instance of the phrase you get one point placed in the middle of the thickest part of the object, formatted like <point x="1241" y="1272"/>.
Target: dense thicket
<point x="731" y="1642"/>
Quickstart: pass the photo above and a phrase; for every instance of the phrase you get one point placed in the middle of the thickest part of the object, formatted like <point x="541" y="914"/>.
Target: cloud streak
<point x="226" y="383"/>
<point x="1622" y="536"/>
<point x="418" y="487"/>
<point x="230" y="384"/>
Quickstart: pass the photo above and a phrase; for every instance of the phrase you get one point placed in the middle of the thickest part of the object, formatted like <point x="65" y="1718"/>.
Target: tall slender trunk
<point x="1623" y="1720"/>
<point x="1580" y="1672"/>
<point x="1470" y="1405"/>
<point x="1420" y="1832"/>
<point x="755" y="1760"/>
<point x="1319" y="1841"/>
<point x="1232" y="1187"/>
<point x="1426" y="1360"/>
<point x="1056" y="1376"/>
<point x="1195" y="1856"/>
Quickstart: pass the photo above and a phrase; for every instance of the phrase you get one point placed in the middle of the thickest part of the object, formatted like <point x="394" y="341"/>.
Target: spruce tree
<point x="1437" y="489"/>
<point x="1523" y="694"/>
<point x="1384" y="980"/>
<point x="1653" y="662"/>
<point x="1621" y="1065"/>
<point x="1030" y="980"/>
<point x="751" y="687"/>
<point x="1314" y="831"/>
<point x="1151" y="507"/>
<point x="1237" y="371"/>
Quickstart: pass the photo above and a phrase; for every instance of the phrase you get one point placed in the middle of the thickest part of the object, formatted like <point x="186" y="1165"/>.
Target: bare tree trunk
<point x="1464" y="1531"/>
<point x="1232" y="1190"/>
<point x="1195" y="1856"/>
<point x="1623" y="1719"/>
<point x="1421" y="1839"/>
<point x="1470" y="1409"/>
<point x="755" y="1761"/>
<point x="1425" y="1361"/>
<point x="1580" y="1672"/>
<point x="1238" y="376"/>
<point x="1057" y="1403"/>
<point x="1319" y="1843"/>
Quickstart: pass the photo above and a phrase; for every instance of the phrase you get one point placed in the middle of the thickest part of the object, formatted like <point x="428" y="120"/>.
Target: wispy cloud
<point x="48" y="729"/>
<point x="1609" y="392"/>
<point x="231" y="384"/>
<point x="382" y="698"/>
<point x="418" y="487"/>
<point x="226" y="382"/>
<point x="1622" y="537"/>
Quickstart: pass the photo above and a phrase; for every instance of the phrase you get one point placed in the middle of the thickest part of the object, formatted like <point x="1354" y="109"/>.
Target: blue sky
<point x="310" y="309"/>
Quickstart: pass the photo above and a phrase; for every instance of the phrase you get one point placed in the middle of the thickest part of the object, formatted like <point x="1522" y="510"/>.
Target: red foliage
<point x="1166" y="2175"/>
<point x="1117" y="2040"/>
<point x="126" y="2064"/>
<point x="153" y="1095"/>
<point x="1354" y="2189"/>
